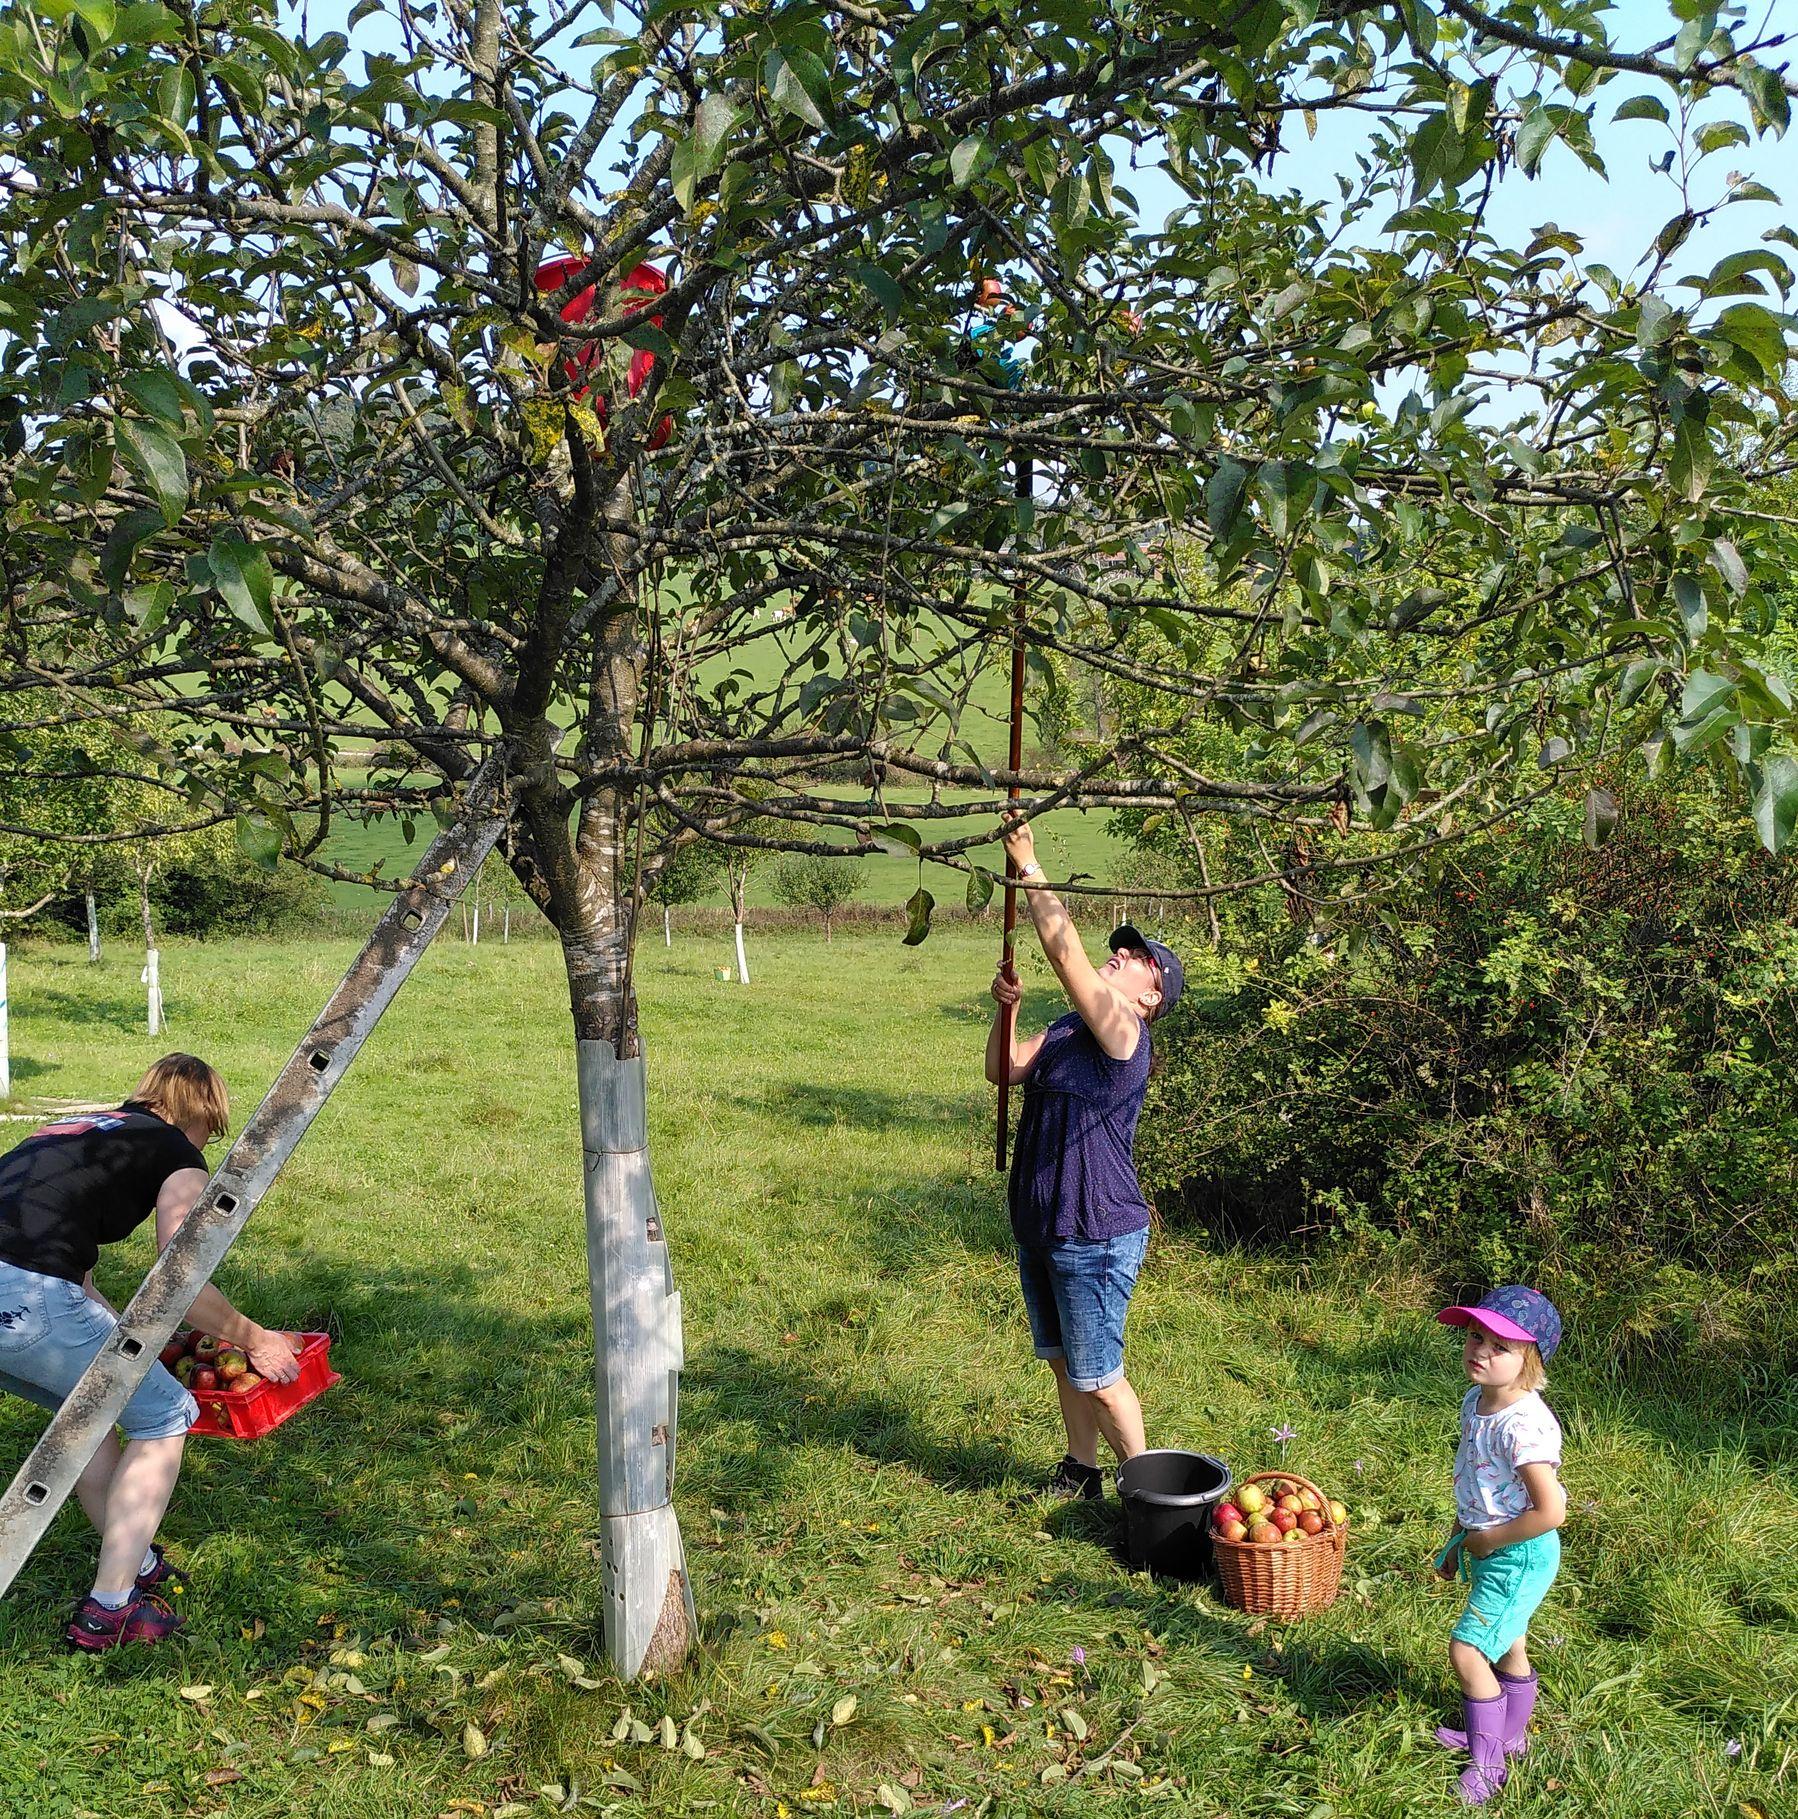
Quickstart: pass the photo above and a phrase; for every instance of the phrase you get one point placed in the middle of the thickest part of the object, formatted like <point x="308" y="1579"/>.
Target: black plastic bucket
<point x="1168" y="1499"/>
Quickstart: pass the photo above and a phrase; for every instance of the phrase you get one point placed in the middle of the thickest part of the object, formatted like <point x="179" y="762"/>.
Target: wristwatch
<point x="1030" y="869"/>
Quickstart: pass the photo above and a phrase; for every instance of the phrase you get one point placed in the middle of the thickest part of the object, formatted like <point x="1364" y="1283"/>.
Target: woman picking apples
<point x="66" y="1190"/>
<point x="1077" y="1212"/>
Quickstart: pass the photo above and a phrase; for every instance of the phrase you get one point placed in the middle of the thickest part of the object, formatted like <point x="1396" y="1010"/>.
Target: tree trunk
<point x="649" y="1618"/>
<point x="93" y="931"/>
<point x="152" y="979"/>
<point x="739" y="890"/>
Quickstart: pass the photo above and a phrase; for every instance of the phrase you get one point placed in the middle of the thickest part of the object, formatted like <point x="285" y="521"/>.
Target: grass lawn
<point x="394" y="1596"/>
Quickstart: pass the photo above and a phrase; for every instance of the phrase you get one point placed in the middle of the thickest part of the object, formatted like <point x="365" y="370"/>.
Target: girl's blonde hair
<point x="183" y="1090"/>
<point x="1534" y="1375"/>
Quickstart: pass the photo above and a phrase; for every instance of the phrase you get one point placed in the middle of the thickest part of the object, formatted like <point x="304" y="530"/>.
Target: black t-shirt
<point x="84" y="1182"/>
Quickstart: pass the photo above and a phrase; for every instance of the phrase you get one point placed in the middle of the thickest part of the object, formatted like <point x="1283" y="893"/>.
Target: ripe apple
<point x="1284" y="1487"/>
<point x="1251" y="1499"/>
<point x="176" y="1348"/>
<point x="1289" y="1503"/>
<point x="231" y="1365"/>
<point x="184" y="1369"/>
<point x="1263" y="1533"/>
<point x="1309" y="1500"/>
<point x="204" y="1378"/>
<point x="1284" y="1520"/>
<point x="1311" y="1522"/>
<point x="1226" y="1513"/>
<point x="1294" y="1534"/>
<point x="1339" y="1513"/>
<point x="207" y="1347"/>
<point x="248" y="1381"/>
<point x="1233" y="1531"/>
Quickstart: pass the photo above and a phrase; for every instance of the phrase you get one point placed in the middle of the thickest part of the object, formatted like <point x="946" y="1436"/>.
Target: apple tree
<point x="680" y="408"/>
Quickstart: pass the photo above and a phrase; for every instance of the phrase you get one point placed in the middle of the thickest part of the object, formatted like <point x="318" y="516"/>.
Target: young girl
<point x="1508" y="1504"/>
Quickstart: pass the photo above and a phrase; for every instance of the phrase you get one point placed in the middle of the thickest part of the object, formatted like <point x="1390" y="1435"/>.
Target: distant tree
<point x="688" y="873"/>
<point x="816" y="882"/>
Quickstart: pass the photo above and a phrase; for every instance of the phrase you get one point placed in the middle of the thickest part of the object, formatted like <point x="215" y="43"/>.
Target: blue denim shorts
<point x="1077" y="1293"/>
<point x="1504" y="1591"/>
<point x="49" y="1334"/>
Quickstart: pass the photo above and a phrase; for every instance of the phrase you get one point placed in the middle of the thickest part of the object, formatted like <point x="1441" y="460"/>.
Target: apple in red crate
<point x="184" y="1369"/>
<point x="204" y="1379"/>
<point x="176" y="1348"/>
<point x="248" y="1381"/>
<point x="207" y="1347"/>
<point x="231" y="1365"/>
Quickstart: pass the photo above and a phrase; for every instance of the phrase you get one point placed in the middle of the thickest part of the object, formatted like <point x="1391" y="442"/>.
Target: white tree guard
<point x="5" y="1033"/>
<point x="649" y="1617"/>
<point x="742" y="958"/>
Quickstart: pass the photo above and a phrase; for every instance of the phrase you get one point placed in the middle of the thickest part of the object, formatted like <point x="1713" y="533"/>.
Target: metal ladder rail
<point x="47" y="1477"/>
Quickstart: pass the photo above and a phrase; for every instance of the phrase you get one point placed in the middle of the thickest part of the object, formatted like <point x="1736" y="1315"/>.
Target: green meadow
<point x="395" y="1598"/>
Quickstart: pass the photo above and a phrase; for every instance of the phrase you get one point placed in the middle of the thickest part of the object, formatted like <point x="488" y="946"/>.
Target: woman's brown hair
<point x="183" y="1090"/>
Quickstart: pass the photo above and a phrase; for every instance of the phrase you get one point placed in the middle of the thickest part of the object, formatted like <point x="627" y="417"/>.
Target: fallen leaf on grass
<point x="670" y="1737"/>
<point x="377" y="1760"/>
<point x="511" y="1809"/>
<point x="572" y="1668"/>
<point x="196" y="1693"/>
<point x="223" y="1777"/>
<point x="474" y="1742"/>
<point x="382" y="1721"/>
<point x="895" y="1799"/>
<point x="843" y="1710"/>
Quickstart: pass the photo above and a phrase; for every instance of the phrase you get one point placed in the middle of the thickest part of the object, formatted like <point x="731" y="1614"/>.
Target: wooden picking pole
<point x="86" y="1417"/>
<point x="1025" y="489"/>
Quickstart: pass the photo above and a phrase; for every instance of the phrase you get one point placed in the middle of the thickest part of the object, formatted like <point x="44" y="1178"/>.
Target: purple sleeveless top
<point x="1073" y="1175"/>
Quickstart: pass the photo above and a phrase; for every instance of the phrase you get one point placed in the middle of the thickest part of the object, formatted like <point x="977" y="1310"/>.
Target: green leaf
<point x="917" y="908"/>
<point x="699" y="155"/>
<point x="121" y="545"/>
<point x="100" y="16"/>
<point x="1642" y="107"/>
<point x="1688" y="596"/>
<point x="1703" y="695"/>
<point x="244" y="578"/>
<point x="896" y="838"/>
<point x="1767" y="97"/>
<point x="1223" y="495"/>
<point x="1754" y="331"/>
<point x="980" y="891"/>
<point x="156" y="392"/>
<point x="1776" y="803"/>
<point x="1600" y="818"/>
<point x="884" y="288"/>
<point x="1540" y="124"/>
<point x="649" y="339"/>
<point x="158" y="459"/>
<point x="797" y="83"/>
<point x="1636" y="677"/>
<point x="1690" y="462"/>
<point x="259" y="840"/>
<point x="1730" y="566"/>
<point x="964" y="158"/>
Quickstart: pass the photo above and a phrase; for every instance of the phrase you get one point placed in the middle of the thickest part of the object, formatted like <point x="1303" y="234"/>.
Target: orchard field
<point x="395" y="1603"/>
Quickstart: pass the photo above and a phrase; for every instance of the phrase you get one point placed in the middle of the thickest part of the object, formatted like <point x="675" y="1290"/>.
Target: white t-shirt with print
<point x="1488" y="1489"/>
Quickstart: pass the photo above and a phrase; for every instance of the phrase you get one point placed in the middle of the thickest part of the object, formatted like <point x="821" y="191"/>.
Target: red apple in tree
<point x="204" y="1378"/>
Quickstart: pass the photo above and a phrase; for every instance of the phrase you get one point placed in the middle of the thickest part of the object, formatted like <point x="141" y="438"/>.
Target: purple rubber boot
<point x="1519" y="1691"/>
<point x="1486" y="1745"/>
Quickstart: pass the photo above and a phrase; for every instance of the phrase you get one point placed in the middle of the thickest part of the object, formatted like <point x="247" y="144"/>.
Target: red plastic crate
<point x="249" y="1414"/>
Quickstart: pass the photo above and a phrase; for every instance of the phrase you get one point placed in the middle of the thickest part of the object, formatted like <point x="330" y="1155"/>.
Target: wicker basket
<point x="1294" y="1578"/>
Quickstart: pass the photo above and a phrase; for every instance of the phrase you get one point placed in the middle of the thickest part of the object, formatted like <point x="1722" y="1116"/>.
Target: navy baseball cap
<point x="1167" y="962"/>
<point x="1523" y="1314"/>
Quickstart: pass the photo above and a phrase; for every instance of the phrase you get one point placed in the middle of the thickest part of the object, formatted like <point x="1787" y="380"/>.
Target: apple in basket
<point x="1339" y="1513"/>
<point x="1284" y="1520"/>
<point x="1232" y="1531"/>
<point x="1311" y="1522"/>
<point x="1225" y="1514"/>
<point x="1264" y="1533"/>
<point x="1251" y="1500"/>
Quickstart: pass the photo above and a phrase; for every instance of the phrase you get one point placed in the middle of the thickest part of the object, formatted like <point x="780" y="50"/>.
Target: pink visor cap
<point x="1522" y="1314"/>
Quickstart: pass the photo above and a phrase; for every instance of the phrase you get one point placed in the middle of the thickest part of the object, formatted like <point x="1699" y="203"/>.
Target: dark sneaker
<point x="1072" y="1479"/>
<point x="164" y="1578"/>
<point x="145" y="1618"/>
